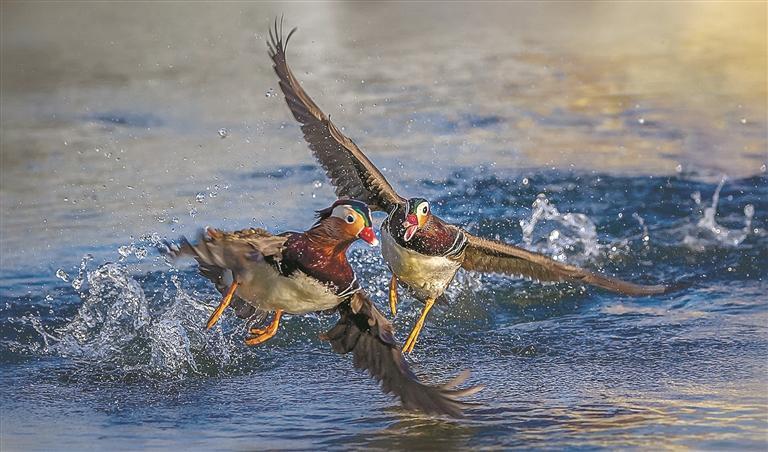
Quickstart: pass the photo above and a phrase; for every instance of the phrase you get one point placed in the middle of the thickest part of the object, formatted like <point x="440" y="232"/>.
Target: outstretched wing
<point x="365" y="332"/>
<point x="349" y="170"/>
<point x="490" y="256"/>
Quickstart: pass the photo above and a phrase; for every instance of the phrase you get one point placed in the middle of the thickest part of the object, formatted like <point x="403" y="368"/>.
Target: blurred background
<point x="645" y="123"/>
<point x="111" y="111"/>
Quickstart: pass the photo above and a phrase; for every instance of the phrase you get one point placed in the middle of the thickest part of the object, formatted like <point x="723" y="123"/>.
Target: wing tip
<point x="277" y="44"/>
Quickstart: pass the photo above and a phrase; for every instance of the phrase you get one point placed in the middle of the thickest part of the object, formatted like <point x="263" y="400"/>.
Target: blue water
<point x="124" y="358"/>
<point x="629" y="138"/>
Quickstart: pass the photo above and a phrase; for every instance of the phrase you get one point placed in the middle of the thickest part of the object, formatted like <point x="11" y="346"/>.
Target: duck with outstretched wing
<point x="423" y="251"/>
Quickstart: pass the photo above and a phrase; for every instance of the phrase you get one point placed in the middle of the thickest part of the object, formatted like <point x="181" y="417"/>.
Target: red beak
<point x="411" y="224"/>
<point x="369" y="236"/>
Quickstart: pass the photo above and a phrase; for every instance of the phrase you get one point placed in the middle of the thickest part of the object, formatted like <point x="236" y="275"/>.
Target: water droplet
<point x="49" y="297"/>
<point x="317" y="184"/>
<point x="200" y="197"/>
<point x="696" y="196"/>
<point x="125" y="250"/>
<point x="743" y="120"/>
<point x="270" y="92"/>
<point x="223" y="133"/>
<point x="141" y="253"/>
<point x="641" y="120"/>
<point x="62" y="275"/>
<point x="192" y="212"/>
<point x="679" y="168"/>
<point x="525" y="181"/>
<point x="763" y="167"/>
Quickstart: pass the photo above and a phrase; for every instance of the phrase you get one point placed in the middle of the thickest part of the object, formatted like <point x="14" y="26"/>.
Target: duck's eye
<point x="424" y="209"/>
<point x="350" y="219"/>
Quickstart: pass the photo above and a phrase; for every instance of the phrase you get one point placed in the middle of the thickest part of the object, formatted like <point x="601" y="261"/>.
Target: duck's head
<point x="350" y="220"/>
<point x="417" y="214"/>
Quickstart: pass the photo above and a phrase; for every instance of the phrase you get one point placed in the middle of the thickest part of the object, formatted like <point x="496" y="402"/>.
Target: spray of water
<point x="571" y="235"/>
<point x="708" y="232"/>
<point x="117" y="326"/>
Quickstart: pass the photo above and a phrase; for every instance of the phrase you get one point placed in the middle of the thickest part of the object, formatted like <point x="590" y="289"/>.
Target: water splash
<point x="707" y="231"/>
<point x="77" y="282"/>
<point x="568" y="235"/>
<point x="641" y="221"/>
<point x="113" y="312"/>
<point x="118" y="327"/>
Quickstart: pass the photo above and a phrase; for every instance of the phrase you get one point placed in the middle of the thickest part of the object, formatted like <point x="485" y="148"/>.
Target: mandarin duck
<point x="423" y="252"/>
<point x="301" y="272"/>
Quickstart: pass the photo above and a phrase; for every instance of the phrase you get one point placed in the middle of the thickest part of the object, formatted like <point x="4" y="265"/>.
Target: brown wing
<point x="234" y="251"/>
<point x="490" y="256"/>
<point x="219" y="255"/>
<point x="365" y="332"/>
<point x="349" y="170"/>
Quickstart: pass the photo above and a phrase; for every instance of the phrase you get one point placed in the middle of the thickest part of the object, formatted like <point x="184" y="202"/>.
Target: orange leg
<point x="264" y="334"/>
<point x="411" y="341"/>
<point x="222" y="306"/>
<point x="393" y="295"/>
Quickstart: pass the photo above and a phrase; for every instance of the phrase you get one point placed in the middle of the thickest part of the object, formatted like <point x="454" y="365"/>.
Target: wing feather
<point x="368" y="335"/>
<point x="219" y="255"/>
<point x="490" y="256"/>
<point x="348" y="169"/>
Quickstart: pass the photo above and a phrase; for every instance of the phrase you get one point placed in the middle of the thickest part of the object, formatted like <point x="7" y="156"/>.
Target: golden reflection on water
<point x="690" y="88"/>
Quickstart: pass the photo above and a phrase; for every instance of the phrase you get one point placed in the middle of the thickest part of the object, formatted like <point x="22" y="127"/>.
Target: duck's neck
<point x="325" y="241"/>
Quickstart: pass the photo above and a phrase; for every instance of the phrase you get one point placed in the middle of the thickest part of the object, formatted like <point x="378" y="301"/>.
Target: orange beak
<point x="369" y="236"/>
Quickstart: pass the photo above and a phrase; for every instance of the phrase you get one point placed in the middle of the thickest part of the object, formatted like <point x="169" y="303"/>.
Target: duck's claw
<point x="259" y="335"/>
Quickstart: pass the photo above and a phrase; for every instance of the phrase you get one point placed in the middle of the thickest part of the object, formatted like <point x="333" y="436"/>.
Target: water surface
<point x="626" y="138"/>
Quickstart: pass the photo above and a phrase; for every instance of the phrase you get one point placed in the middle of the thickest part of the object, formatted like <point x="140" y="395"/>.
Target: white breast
<point x="428" y="276"/>
<point x="265" y="288"/>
